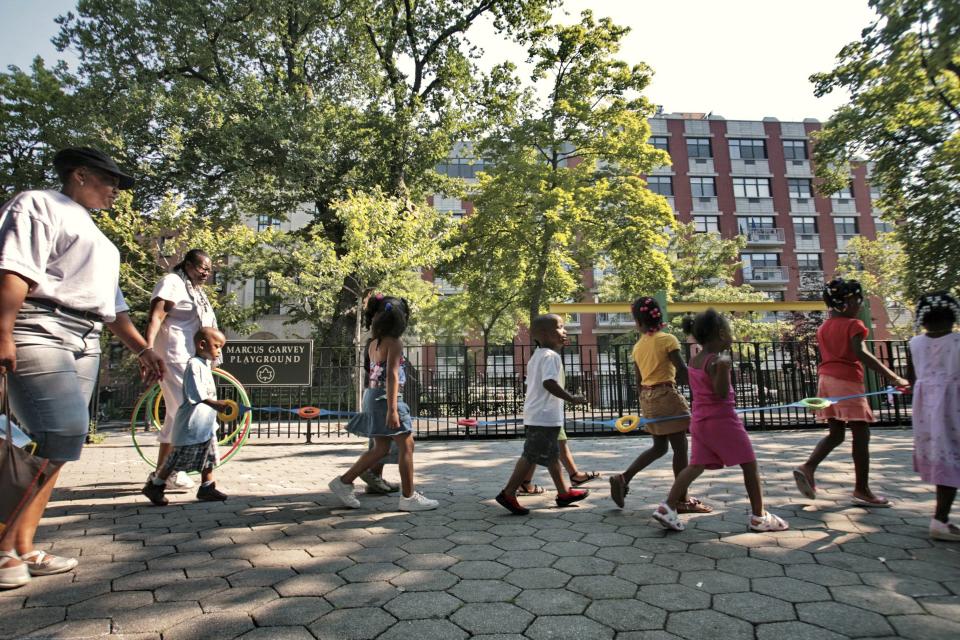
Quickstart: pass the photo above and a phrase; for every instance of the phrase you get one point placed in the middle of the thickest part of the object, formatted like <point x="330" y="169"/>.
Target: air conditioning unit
<point x="797" y="163"/>
<point x="803" y="200"/>
<point x="704" y="199"/>
<point x="700" y="160"/>
<point x="749" y="162"/>
<point x="843" y="201"/>
<point x="753" y="200"/>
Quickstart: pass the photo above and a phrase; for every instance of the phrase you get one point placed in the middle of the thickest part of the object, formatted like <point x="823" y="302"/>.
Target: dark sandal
<point x="588" y="476"/>
<point x="693" y="505"/>
<point x="529" y="489"/>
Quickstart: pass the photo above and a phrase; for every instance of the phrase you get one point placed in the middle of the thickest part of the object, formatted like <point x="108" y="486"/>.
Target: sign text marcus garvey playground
<point x="270" y="362"/>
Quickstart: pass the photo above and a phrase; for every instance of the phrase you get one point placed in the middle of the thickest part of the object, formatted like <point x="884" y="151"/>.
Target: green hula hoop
<point x="235" y="439"/>
<point x="815" y="403"/>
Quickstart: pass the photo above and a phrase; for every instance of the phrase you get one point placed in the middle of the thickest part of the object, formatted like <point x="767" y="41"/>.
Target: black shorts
<point x="542" y="446"/>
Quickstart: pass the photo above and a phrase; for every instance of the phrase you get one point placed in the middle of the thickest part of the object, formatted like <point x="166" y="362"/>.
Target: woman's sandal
<point x="804" y="485"/>
<point x="668" y="517"/>
<point x="878" y="502"/>
<point x="586" y="475"/>
<point x="529" y="489"/>
<point x="768" y="522"/>
<point x="693" y="505"/>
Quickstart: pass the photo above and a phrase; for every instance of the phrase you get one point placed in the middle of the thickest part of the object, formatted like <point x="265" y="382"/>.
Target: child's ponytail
<point x="646" y="311"/>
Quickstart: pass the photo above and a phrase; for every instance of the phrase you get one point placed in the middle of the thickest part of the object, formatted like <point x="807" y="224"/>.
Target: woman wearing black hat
<point x="59" y="284"/>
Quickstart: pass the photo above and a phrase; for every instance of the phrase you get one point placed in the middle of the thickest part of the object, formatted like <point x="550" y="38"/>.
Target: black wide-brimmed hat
<point x="73" y="157"/>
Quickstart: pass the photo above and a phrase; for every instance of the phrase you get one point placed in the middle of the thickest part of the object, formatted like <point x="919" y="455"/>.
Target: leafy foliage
<point x="904" y="114"/>
<point x="880" y="266"/>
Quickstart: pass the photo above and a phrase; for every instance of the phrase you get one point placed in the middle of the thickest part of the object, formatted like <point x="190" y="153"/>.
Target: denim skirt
<point x="371" y="422"/>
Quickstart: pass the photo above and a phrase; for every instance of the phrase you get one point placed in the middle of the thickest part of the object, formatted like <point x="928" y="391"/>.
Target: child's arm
<point x="870" y="361"/>
<point x="555" y="389"/>
<point x="394" y="355"/>
<point x="720" y="371"/>
<point x="680" y="366"/>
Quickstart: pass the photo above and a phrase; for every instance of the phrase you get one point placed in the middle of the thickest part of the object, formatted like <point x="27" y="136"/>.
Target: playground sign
<point x="269" y="362"/>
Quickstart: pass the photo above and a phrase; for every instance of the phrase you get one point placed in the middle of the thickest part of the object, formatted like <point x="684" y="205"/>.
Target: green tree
<point x="880" y="266"/>
<point x="904" y="114"/>
<point x="563" y="179"/>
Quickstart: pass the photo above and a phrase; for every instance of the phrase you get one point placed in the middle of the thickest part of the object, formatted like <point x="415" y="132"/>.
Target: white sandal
<point x="668" y="517"/>
<point x="768" y="522"/>
<point x="12" y="577"/>
<point x="41" y="563"/>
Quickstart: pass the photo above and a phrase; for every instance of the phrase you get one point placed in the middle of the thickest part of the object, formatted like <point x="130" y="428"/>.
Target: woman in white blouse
<point x="59" y="284"/>
<point x="178" y="308"/>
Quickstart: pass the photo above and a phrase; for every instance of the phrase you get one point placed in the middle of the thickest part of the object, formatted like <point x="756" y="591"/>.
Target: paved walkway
<point x="280" y="559"/>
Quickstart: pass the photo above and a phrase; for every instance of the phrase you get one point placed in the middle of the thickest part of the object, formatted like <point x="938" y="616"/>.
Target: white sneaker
<point x="944" y="531"/>
<point x="417" y="502"/>
<point x="180" y="480"/>
<point x="344" y="492"/>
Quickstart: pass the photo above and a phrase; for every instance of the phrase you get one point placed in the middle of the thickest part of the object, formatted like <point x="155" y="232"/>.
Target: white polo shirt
<point x="540" y="407"/>
<point x="53" y="242"/>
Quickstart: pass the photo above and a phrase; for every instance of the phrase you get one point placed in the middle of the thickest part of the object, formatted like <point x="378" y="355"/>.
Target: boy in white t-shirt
<point x="543" y="415"/>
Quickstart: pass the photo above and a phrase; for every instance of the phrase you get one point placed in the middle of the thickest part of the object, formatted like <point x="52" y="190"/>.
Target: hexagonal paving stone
<point x="278" y="633"/>
<point x="852" y="562"/>
<point x="569" y="549"/>
<point x="260" y="576"/>
<point x="754" y="607"/>
<point x="849" y="621"/>
<point x="378" y="554"/>
<point x="943" y="606"/>
<point x="674" y="597"/>
<point x="782" y="556"/>
<point x="646" y="574"/>
<point x="432" y="580"/>
<point x="424" y="630"/>
<point x="927" y="570"/>
<point x="790" y="589"/>
<point x="517" y="543"/>
<point x="223" y="624"/>
<point x="750" y="567"/>
<point x="526" y="559"/>
<point x="290" y="612"/>
<point x="503" y="530"/>
<point x="558" y="535"/>
<point x="715" y="581"/>
<point x="708" y="625"/>
<point x="423" y="604"/>
<point x="309" y="584"/>
<point x="476" y="552"/>
<point x="684" y="561"/>
<point x="547" y="602"/>
<point x="626" y="615"/>
<point x="427" y="546"/>
<point x="625" y="555"/>
<point x="492" y="617"/>
<point x="422" y="561"/>
<point x="362" y="594"/>
<point x="353" y="624"/>
<point x="20" y="622"/>
<point x="479" y="570"/>
<point x="607" y="539"/>
<point x="599" y="587"/>
<point x="925" y="627"/>
<point x="822" y="575"/>
<point x="484" y="591"/>
<point x="91" y="628"/>
<point x="905" y="585"/>
<point x="371" y="572"/>
<point x="109" y="603"/>
<point x="718" y="550"/>
<point x="538" y="578"/>
<point x="585" y="566"/>
<point x="241" y="598"/>
<point x="795" y="631"/>
<point x="196" y="589"/>
<point x="153" y="619"/>
<point x="882" y="601"/>
<point x="555" y="627"/>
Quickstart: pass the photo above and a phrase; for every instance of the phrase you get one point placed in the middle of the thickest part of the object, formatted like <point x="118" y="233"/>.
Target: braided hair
<point x="386" y="316"/>
<point x="839" y="293"/>
<point x="646" y="311"/>
<point x="935" y="308"/>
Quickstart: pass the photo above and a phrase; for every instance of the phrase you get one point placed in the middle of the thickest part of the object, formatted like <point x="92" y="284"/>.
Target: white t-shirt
<point x="174" y="341"/>
<point x="52" y="241"/>
<point x="196" y="421"/>
<point x="541" y="408"/>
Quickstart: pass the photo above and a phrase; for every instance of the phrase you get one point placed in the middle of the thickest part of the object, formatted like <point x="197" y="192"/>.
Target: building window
<point x="844" y="194"/>
<point x="466" y="168"/>
<point x="748" y="148"/>
<point x="806" y="225"/>
<point x="705" y="224"/>
<point x="747" y="223"/>
<point x="703" y="187"/>
<point x="845" y="226"/>
<point x="882" y="225"/>
<point x="875" y="192"/>
<point x="661" y="184"/>
<point x="775" y="296"/>
<point x="660" y="142"/>
<point x="699" y="148"/>
<point x="263" y="294"/>
<point x="799" y="187"/>
<point x="266" y="221"/>
<point x="795" y="149"/>
<point x="809" y="262"/>
<point x="751" y="187"/>
<point x="760" y="259"/>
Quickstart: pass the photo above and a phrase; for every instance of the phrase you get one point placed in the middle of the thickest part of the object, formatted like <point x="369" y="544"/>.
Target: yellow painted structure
<point x="688" y="307"/>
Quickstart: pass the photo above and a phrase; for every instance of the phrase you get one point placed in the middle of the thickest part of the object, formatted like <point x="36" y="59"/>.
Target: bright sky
<point x="742" y="59"/>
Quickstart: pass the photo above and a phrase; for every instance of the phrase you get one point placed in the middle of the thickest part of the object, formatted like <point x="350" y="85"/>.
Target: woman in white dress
<point x="178" y="308"/>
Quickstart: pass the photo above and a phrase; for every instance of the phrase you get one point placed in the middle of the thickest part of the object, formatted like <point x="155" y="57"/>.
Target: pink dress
<point x="718" y="437"/>
<point x="936" y="408"/>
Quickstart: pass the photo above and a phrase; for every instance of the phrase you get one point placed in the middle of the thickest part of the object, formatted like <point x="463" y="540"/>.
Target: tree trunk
<point x="358" y="353"/>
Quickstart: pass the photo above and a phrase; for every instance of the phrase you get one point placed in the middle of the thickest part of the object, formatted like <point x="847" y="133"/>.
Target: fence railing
<point x="446" y="384"/>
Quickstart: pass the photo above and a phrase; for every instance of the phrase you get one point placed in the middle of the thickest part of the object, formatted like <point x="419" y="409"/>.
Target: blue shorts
<point x="58" y="357"/>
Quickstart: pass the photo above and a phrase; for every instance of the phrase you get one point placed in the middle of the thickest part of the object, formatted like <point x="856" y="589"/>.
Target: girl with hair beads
<point x="384" y="416"/>
<point x="656" y="358"/>
<point x="718" y="435"/>
<point x="842" y="356"/>
<point x="935" y="364"/>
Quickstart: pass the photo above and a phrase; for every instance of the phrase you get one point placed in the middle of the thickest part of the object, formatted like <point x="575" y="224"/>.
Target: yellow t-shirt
<point x="651" y="353"/>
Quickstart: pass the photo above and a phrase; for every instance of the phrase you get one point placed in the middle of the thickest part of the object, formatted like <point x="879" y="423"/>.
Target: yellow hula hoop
<point x="232" y="414"/>
<point x="626" y="424"/>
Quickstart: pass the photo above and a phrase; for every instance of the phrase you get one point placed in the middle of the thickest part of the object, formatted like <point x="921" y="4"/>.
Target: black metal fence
<point x="448" y="384"/>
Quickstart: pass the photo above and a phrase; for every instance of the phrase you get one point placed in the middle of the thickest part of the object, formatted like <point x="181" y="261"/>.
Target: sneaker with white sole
<point x="376" y="484"/>
<point x="344" y="492"/>
<point x="946" y="531"/>
<point x="417" y="502"/>
<point x="180" y="480"/>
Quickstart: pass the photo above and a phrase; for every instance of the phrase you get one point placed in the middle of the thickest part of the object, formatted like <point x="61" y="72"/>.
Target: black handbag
<point x="22" y="475"/>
